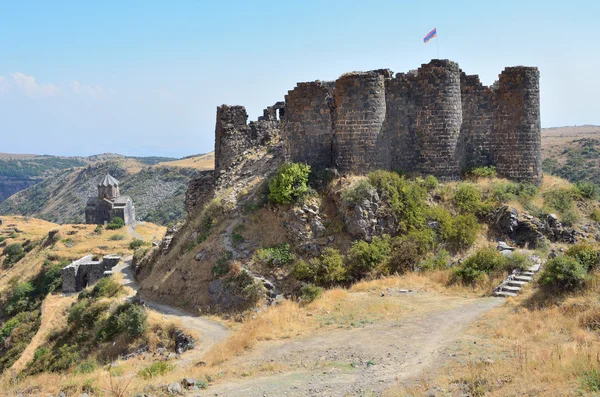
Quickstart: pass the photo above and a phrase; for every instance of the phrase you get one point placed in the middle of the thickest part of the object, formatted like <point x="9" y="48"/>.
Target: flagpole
<point x="437" y="44"/>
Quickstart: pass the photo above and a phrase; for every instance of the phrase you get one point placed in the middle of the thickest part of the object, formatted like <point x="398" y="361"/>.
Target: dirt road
<point x="210" y="332"/>
<point x="356" y="362"/>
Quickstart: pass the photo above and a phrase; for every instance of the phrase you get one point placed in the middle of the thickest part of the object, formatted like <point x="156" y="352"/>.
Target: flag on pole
<point x="430" y="36"/>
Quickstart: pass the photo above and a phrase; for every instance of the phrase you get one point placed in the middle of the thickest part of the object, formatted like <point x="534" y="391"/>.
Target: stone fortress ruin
<point x="87" y="271"/>
<point x="436" y="120"/>
<point x="109" y="204"/>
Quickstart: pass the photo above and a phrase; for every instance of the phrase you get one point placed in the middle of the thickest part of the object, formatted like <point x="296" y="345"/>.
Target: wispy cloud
<point x="19" y="82"/>
<point x="92" y="91"/>
<point x="32" y="88"/>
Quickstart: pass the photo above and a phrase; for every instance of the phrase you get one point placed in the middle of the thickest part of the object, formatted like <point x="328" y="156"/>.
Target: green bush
<point x="107" y="287"/>
<point x="564" y="273"/>
<point x="19" y="299"/>
<point x="289" y="183"/>
<point x="116" y="237"/>
<point x="467" y="198"/>
<point x="595" y="215"/>
<point x="276" y="256"/>
<point x="155" y="369"/>
<point x="559" y="199"/>
<point x="430" y="183"/>
<point x="440" y="260"/>
<point x="135" y="243"/>
<point x="410" y="249"/>
<point x="406" y="199"/>
<point x="459" y="232"/>
<point x="358" y="192"/>
<point x="482" y="172"/>
<point x="236" y="234"/>
<point x="98" y="229"/>
<point x="128" y="318"/>
<point x="12" y="254"/>
<point x="477" y="266"/>
<point x="116" y="223"/>
<point x="585" y="254"/>
<point x="364" y="256"/>
<point x="588" y="190"/>
<point x="310" y="292"/>
<point x="326" y="270"/>
<point x="590" y="380"/>
<point x="506" y="191"/>
<point x="570" y="217"/>
<point x="2" y="239"/>
<point x="86" y="367"/>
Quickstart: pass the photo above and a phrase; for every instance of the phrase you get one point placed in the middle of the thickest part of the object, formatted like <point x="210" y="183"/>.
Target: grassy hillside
<point x="572" y="153"/>
<point x="157" y="191"/>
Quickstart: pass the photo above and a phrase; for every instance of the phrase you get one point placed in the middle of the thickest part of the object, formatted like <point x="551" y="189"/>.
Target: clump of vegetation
<point x="12" y="254"/>
<point x="128" y="319"/>
<point x="467" y="198"/>
<point x="504" y="191"/>
<point x="559" y="199"/>
<point x="289" y="184"/>
<point x="136" y="243"/>
<point x="595" y="215"/>
<point x="2" y="239"/>
<point x="365" y="256"/>
<point x="406" y="199"/>
<point x="563" y="273"/>
<point x="241" y="284"/>
<point x="588" y="190"/>
<point x="358" y="192"/>
<point x="458" y="232"/>
<point x="116" y="223"/>
<point x="107" y="287"/>
<point x="482" y="172"/>
<point x="410" y="249"/>
<point x="222" y="266"/>
<point x="487" y="262"/>
<point x="155" y="369"/>
<point x="98" y="229"/>
<point x="586" y="254"/>
<point x="236" y="234"/>
<point x="326" y="270"/>
<point x="310" y="293"/>
<point x="276" y="256"/>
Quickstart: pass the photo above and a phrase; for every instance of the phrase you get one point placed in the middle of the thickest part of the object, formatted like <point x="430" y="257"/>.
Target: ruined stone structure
<point x="435" y="120"/>
<point x="109" y="204"/>
<point x="86" y="271"/>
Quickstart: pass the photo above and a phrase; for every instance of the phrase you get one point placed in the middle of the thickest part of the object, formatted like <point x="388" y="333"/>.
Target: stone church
<point x="109" y="204"/>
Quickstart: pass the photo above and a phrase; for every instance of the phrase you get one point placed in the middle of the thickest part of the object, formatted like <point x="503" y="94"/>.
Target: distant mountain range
<point x="55" y="188"/>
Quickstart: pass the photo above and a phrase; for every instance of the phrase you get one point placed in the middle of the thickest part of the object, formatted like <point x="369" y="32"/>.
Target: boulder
<point x="174" y="388"/>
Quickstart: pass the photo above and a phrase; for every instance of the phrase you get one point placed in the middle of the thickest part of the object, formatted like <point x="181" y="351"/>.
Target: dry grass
<point x="533" y="345"/>
<point x="75" y="242"/>
<point x="202" y="162"/>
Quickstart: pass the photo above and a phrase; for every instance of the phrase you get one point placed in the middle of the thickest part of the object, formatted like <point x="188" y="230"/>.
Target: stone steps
<point x="515" y="281"/>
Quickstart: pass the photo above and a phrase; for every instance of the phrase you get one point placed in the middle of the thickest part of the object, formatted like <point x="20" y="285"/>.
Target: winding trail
<point x="210" y="331"/>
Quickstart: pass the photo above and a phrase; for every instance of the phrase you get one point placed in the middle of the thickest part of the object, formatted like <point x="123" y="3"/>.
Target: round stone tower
<point x="516" y="135"/>
<point x="439" y="119"/>
<point x="359" y="115"/>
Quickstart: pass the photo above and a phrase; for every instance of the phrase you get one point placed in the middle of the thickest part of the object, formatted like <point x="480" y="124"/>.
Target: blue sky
<point x="145" y="77"/>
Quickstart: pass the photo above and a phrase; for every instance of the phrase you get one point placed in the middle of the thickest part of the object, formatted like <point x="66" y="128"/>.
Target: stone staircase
<point x="515" y="281"/>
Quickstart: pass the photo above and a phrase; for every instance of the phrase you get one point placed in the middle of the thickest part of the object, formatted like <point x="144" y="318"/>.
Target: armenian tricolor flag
<point x="430" y="35"/>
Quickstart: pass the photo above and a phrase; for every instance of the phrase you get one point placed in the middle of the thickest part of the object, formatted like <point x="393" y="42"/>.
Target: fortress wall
<point x="516" y="134"/>
<point x="308" y="124"/>
<point x="360" y="109"/>
<point x="232" y="136"/>
<point x="400" y="121"/>
<point x="475" y="132"/>
<point x="439" y="118"/>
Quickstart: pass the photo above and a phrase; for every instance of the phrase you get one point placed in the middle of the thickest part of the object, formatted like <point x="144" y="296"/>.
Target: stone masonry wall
<point x="475" y="132"/>
<point x="360" y="109"/>
<point x="232" y="135"/>
<point x="436" y="120"/>
<point x="516" y="137"/>
<point x="308" y="123"/>
<point x="439" y="118"/>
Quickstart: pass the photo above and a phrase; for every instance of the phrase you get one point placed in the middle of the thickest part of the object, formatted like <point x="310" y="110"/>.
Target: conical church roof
<point x="109" y="180"/>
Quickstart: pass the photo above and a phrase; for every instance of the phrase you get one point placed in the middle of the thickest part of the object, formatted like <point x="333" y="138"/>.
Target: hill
<point x="572" y="153"/>
<point x="157" y="188"/>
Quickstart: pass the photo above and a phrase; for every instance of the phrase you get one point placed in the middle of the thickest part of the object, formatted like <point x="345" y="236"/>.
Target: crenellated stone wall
<point x="435" y="120"/>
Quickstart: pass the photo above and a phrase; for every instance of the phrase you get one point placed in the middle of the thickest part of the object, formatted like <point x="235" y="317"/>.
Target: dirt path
<point x="356" y="362"/>
<point x="210" y="332"/>
<point x="131" y="231"/>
